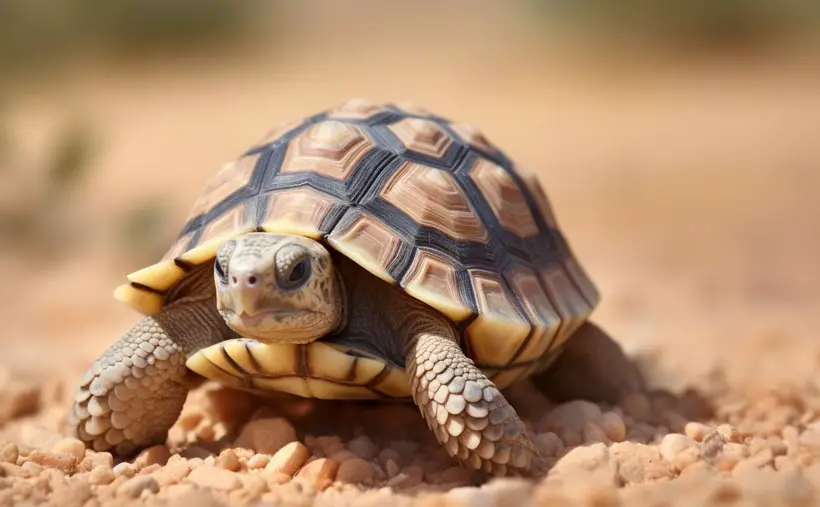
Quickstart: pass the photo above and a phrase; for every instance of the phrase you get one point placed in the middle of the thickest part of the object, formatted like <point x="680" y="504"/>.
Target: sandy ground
<point x="688" y="194"/>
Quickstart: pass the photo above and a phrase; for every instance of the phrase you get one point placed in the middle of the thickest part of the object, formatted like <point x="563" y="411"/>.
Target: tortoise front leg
<point x="466" y="411"/>
<point x="130" y="397"/>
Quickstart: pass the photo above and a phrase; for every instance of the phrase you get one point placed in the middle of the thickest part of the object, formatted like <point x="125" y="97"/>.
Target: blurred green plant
<point x="34" y="33"/>
<point x="70" y="158"/>
<point x="5" y="141"/>
<point x="38" y="201"/>
<point x="144" y="234"/>
<point x="35" y="200"/>
<point x="711" y="24"/>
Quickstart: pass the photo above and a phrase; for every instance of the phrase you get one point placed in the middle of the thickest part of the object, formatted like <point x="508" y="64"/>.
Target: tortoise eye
<point x="298" y="276"/>
<point x="219" y="271"/>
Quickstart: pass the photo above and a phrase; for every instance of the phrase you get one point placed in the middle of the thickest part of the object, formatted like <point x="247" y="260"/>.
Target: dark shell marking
<point x="417" y="200"/>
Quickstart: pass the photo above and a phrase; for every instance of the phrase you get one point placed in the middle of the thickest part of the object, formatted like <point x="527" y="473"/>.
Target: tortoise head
<point x="278" y="288"/>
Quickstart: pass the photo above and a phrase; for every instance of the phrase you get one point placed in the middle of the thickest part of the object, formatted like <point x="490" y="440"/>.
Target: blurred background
<point x="678" y="142"/>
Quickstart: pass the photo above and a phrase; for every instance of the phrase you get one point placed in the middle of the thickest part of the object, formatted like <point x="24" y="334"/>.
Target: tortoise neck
<point x="383" y="319"/>
<point x="343" y="301"/>
<point x="198" y="282"/>
<point x="190" y="311"/>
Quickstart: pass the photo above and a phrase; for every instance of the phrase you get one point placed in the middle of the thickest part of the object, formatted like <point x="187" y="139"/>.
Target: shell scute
<point x="498" y="316"/>
<point x="331" y="148"/>
<point x="434" y="199"/>
<point x="421" y="202"/>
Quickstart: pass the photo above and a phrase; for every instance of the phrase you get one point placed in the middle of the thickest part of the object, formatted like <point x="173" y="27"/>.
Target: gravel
<point x="649" y="448"/>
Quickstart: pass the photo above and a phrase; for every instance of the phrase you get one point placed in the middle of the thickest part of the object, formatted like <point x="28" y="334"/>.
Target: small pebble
<point x="212" y="477"/>
<point x="593" y="433"/>
<point x="173" y="472"/>
<point x="675" y="443"/>
<point x="67" y="463"/>
<point x="328" y="445"/>
<point x="613" y="426"/>
<point x="363" y="447"/>
<point x="343" y="455"/>
<point x="322" y="472"/>
<point x="639" y="463"/>
<point x="243" y="453"/>
<point x="711" y="445"/>
<point x="9" y="453"/>
<point x="289" y="459"/>
<point x="389" y="454"/>
<point x="638" y="406"/>
<point x="572" y="416"/>
<point x="696" y="431"/>
<point x="679" y="450"/>
<point x="134" y="486"/>
<point x="101" y="475"/>
<point x="355" y="471"/>
<point x="729" y="433"/>
<point x="30" y="469"/>
<point x="228" y="460"/>
<point x="93" y="460"/>
<point x="266" y="435"/>
<point x="258" y="461"/>
<point x="391" y="468"/>
<point x="125" y="469"/>
<point x="70" y="446"/>
<point x="156" y="455"/>
<point x="408" y="477"/>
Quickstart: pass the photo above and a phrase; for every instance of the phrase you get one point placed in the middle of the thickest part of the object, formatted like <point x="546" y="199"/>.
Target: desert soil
<point x="690" y="197"/>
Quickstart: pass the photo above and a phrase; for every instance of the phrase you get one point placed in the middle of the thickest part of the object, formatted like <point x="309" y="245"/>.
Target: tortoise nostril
<point x="245" y="280"/>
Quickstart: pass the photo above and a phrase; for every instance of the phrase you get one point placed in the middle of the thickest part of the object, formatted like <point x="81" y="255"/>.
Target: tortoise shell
<point x="417" y="200"/>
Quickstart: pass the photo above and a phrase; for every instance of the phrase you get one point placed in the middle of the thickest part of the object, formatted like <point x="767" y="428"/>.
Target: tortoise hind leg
<point x="468" y="414"/>
<point x="592" y="366"/>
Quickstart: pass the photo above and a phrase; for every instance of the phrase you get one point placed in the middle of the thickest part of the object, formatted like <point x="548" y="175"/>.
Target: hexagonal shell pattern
<point x="331" y="148"/>
<point x="344" y="179"/>
<point x="504" y="197"/>
<point x="432" y="198"/>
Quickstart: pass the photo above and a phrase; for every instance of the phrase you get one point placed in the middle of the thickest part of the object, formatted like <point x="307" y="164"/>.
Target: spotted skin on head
<point x="278" y="288"/>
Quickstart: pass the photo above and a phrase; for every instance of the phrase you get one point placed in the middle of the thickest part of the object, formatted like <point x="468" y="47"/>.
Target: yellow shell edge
<point x="147" y="303"/>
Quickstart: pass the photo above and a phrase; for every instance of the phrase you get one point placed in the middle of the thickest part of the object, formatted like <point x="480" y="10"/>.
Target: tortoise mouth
<point x="255" y="320"/>
<point x="269" y="326"/>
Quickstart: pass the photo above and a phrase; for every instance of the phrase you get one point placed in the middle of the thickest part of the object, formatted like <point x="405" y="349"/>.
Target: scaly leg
<point x="466" y="411"/>
<point x="131" y="396"/>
